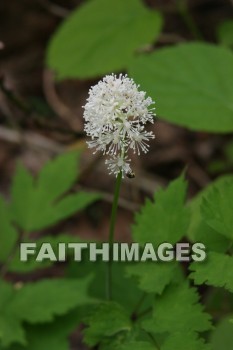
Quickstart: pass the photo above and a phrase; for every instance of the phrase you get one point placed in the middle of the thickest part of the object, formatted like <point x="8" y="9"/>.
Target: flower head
<point x="115" y="116"/>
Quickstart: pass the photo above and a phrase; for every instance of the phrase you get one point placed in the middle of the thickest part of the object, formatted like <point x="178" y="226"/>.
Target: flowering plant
<point x="116" y="114"/>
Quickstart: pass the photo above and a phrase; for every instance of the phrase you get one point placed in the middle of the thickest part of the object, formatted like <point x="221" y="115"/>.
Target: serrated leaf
<point x="185" y="341"/>
<point x="222" y="336"/>
<point x="225" y="33"/>
<point x="199" y="230"/>
<point x="166" y="219"/>
<point x="106" y="320"/>
<point x="154" y="277"/>
<point x="217" y="208"/>
<point x="8" y="234"/>
<point x="43" y="202"/>
<point x="192" y="84"/>
<point x="52" y="336"/>
<point x="178" y="310"/>
<point x="37" y="302"/>
<point x="7" y="321"/>
<point x="42" y="301"/>
<point x="216" y="271"/>
<point x="107" y="35"/>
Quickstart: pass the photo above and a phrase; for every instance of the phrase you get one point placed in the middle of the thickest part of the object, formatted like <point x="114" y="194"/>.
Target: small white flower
<point x="115" y="116"/>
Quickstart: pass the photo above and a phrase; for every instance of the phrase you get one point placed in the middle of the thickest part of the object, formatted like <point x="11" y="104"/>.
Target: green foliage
<point x="36" y="303"/>
<point x="154" y="277"/>
<point x="107" y="320"/>
<point x="216" y="271"/>
<point x="192" y="83"/>
<point x="199" y="230"/>
<point x="185" y="341"/>
<point x="107" y="35"/>
<point x="8" y="234"/>
<point x="52" y="336"/>
<point x="225" y="33"/>
<point x="125" y="290"/>
<point x="44" y="203"/>
<point x="166" y="218"/>
<point x="217" y="209"/>
<point x="178" y="311"/>
<point x="222" y="336"/>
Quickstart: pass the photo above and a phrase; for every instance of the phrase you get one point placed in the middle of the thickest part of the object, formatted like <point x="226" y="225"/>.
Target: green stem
<point x="188" y="19"/>
<point x="111" y="234"/>
<point x="138" y="306"/>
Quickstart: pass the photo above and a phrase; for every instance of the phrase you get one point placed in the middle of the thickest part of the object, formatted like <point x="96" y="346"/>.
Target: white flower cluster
<point x="115" y="116"/>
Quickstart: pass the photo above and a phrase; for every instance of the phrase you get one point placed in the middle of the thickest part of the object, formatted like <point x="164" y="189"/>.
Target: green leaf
<point x="222" y="336"/>
<point x="43" y="202"/>
<point x="124" y="290"/>
<point x="10" y="328"/>
<point x="166" y="219"/>
<point x="216" y="271"/>
<point x="217" y="208"/>
<point x="52" y="336"/>
<point x="199" y="230"/>
<point x="106" y="320"/>
<point x="8" y="234"/>
<point x="185" y="341"/>
<point x="37" y="303"/>
<point x="154" y="277"/>
<point x="225" y="33"/>
<point x="136" y="345"/>
<point x="192" y="84"/>
<point x="107" y="34"/>
<point x="42" y="301"/>
<point x="178" y="310"/>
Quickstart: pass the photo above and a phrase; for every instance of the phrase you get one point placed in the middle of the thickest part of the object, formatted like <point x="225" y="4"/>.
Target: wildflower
<point x="115" y="116"/>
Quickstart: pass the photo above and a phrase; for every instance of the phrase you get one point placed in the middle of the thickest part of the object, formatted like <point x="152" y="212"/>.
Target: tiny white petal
<point x="115" y="116"/>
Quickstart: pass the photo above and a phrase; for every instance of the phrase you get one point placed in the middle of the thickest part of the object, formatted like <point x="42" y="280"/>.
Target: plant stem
<point x="111" y="234"/>
<point x="138" y="306"/>
<point x="188" y="19"/>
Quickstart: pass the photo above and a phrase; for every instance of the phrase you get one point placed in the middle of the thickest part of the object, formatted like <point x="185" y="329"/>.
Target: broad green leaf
<point x="42" y="301"/>
<point x="185" y="341"/>
<point x="154" y="277"/>
<point x="52" y="336"/>
<point x="216" y="271"/>
<point x="217" y="208"/>
<point x="44" y="203"/>
<point x="199" y="230"/>
<point x="107" y="35"/>
<point x="10" y="328"/>
<point x="192" y="84"/>
<point x="37" y="302"/>
<point x="58" y="175"/>
<point x="178" y="310"/>
<point x="106" y="320"/>
<point x="222" y="336"/>
<point x="165" y="219"/>
<point x="225" y="33"/>
<point x="8" y="234"/>
<point x="22" y="194"/>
